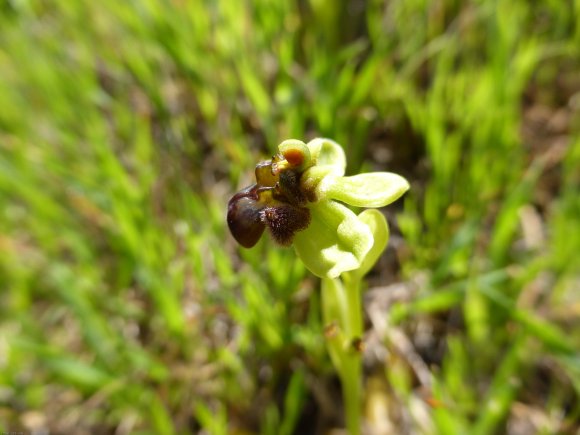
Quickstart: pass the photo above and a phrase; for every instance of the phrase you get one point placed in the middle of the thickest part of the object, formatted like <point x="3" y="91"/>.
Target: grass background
<point x="126" y="307"/>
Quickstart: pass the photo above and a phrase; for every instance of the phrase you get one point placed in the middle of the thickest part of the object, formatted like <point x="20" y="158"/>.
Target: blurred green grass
<point x="125" y="127"/>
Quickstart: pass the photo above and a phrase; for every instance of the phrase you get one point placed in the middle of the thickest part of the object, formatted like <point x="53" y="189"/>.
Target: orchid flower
<point x="300" y="196"/>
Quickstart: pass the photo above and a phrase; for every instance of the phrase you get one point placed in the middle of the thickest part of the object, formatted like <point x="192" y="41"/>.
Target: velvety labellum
<point x="283" y="220"/>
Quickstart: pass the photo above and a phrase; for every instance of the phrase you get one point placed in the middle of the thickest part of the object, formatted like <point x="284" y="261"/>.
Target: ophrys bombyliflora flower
<point x="299" y="196"/>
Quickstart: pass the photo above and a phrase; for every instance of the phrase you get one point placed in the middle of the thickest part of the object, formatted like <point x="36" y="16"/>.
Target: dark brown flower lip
<point x="244" y="218"/>
<point x="276" y="201"/>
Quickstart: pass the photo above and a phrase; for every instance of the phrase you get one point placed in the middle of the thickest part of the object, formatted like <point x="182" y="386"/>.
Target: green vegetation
<point x="125" y="126"/>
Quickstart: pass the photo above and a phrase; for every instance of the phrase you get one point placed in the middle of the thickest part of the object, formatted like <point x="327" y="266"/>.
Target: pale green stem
<point x="332" y="302"/>
<point x="353" y="294"/>
<point x="351" y="387"/>
<point x="341" y="304"/>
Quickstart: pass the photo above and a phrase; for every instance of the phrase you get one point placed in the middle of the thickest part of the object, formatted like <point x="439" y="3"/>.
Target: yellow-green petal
<point x="373" y="189"/>
<point x="336" y="241"/>
<point x="326" y="152"/>
<point x="380" y="230"/>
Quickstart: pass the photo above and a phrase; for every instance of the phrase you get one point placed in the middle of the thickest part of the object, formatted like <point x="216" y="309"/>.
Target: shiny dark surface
<point x="244" y="217"/>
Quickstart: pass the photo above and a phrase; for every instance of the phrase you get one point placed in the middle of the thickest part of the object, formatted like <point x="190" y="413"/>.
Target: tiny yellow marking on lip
<point x="280" y="166"/>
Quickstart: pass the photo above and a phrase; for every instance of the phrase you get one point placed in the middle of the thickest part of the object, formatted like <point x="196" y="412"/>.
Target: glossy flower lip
<point x="244" y="217"/>
<point x="300" y="198"/>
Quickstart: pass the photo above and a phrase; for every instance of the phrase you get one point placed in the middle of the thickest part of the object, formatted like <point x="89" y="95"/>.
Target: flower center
<point x="277" y="200"/>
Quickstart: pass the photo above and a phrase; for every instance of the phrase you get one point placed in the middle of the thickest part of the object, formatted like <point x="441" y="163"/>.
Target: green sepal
<point x="336" y="241"/>
<point x="374" y="189"/>
<point x="377" y="223"/>
<point x="326" y="152"/>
